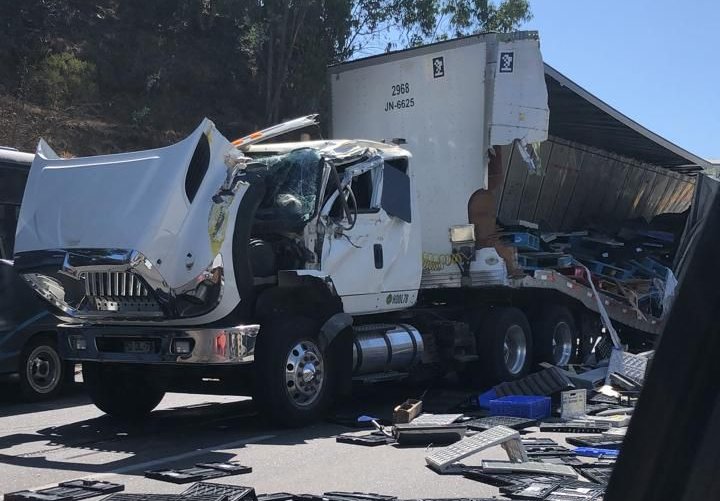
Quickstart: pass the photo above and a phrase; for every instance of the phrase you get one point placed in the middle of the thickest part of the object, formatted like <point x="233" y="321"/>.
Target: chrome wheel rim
<point x="42" y="369"/>
<point x="515" y="349"/>
<point x="304" y="373"/>
<point x="562" y="344"/>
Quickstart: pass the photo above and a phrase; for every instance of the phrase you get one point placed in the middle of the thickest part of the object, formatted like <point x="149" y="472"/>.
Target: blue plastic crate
<point x="593" y="452"/>
<point x="527" y="406"/>
<point x="485" y="398"/>
<point x="522" y="240"/>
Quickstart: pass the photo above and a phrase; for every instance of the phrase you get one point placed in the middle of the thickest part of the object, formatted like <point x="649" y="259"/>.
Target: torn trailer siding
<point x="580" y="185"/>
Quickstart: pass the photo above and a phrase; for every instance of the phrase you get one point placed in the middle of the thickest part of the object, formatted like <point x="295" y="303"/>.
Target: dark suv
<point x="28" y="334"/>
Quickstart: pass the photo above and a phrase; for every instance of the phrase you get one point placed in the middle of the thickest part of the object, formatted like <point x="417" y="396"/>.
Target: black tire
<point x="497" y="326"/>
<point x="125" y="393"/>
<point x="284" y="392"/>
<point x="42" y="371"/>
<point x="555" y="336"/>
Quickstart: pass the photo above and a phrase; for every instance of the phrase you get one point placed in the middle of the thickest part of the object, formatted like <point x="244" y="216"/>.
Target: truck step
<point x="599" y="474"/>
<point x="576" y="494"/>
<point x="439" y="434"/>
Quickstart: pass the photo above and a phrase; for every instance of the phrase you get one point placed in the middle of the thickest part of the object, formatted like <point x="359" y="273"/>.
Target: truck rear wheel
<point x="556" y="336"/>
<point x="505" y="344"/>
<point x="120" y="392"/>
<point x="293" y="375"/>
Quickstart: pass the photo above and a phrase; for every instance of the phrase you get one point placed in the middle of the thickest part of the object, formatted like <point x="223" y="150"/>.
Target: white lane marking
<point x="169" y="459"/>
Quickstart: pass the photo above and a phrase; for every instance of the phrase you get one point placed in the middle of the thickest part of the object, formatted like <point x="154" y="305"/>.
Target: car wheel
<point x="42" y="371"/>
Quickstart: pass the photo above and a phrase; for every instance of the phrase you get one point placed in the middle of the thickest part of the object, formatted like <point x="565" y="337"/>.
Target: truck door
<point x="375" y="263"/>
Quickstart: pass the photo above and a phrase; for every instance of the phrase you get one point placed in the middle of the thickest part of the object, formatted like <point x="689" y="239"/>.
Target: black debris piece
<point x="410" y="434"/>
<point x="567" y="460"/>
<point x="548" y="450"/>
<point x="625" y="382"/>
<point x="228" y="492"/>
<point x="596" y="442"/>
<point x="537" y="442"/>
<point x="574" y="427"/>
<point x="199" y="472"/>
<point x="576" y="494"/>
<point x="534" y="490"/>
<point x="598" y="474"/>
<point x="591" y="409"/>
<point x="276" y="496"/>
<point x="600" y="398"/>
<point x="152" y="497"/>
<point x="67" y="491"/>
<point x="546" y="382"/>
<point x="370" y="440"/>
<point x="485" y="423"/>
<point x="356" y="496"/>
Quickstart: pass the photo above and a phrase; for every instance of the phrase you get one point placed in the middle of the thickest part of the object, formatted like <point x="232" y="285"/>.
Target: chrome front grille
<point x="113" y="284"/>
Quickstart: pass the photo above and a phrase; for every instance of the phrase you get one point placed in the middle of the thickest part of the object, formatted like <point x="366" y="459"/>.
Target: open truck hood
<point x="134" y="236"/>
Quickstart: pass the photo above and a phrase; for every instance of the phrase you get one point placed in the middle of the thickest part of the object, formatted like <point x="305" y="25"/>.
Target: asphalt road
<point x="46" y="443"/>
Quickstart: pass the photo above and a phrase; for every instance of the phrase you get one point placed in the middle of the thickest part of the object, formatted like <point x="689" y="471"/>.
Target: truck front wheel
<point x="120" y="392"/>
<point x="505" y="344"/>
<point x="293" y="375"/>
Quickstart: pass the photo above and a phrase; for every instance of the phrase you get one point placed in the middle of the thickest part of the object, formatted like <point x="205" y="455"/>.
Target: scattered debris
<point x="67" y="491"/>
<point x="545" y="383"/>
<point x="527" y="406"/>
<point x="442" y="459"/>
<point x="407" y="411"/>
<point x="485" y="423"/>
<point x="426" y="434"/>
<point x="201" y="471"/>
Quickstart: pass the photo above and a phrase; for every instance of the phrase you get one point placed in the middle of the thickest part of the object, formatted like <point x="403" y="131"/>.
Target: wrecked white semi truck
<point x="288" y="270"/>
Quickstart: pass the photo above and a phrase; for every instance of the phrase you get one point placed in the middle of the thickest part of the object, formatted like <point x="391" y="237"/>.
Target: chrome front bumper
<point x="216" y="346"/>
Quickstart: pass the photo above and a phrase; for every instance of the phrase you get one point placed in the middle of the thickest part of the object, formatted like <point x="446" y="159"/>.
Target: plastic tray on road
<point x="276" y="496"/>
<point x="574" y="427"/>
<point x="568" y="460"/>
<point x="197" y="473"/>
<point x="597" y="442"/>
<point x="370" y="440"/>
<point x="534" y="490"/>
<point x="598" y="474"/>
<point x="533" y="468"/>
<point x="538" y="442"/>
<point x="356" y="496"/>
<point x="441" y="459"/>
<point x="67" y="491"/>
<point x="434" y="419"/>
<point x="594" y="452"/>
<point x="485" y="423"/>
<point x="412" y="434"/>
<point x="576" y="494"/>
<point x="230" y="492"/>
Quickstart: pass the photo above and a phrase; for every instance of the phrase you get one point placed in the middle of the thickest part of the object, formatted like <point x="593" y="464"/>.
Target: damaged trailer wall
<point x="582" y="185"/>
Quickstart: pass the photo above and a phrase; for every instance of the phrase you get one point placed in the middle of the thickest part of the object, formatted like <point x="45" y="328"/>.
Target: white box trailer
<point x="452" y="103"/>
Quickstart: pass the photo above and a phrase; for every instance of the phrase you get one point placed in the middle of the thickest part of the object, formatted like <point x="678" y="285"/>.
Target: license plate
<point x="138" y="346"/>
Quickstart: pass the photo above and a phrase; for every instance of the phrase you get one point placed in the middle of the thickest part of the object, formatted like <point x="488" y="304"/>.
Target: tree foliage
<point x="245" y="63"/>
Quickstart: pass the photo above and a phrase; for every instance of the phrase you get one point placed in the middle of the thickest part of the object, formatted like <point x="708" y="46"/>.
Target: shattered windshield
<point x="293" y="183"/>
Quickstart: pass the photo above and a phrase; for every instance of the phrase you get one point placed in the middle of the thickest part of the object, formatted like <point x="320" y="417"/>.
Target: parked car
<point x="28" y="336"/>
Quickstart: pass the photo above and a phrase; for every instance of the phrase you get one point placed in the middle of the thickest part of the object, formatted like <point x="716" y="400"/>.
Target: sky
<point x="656" y="61"/>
